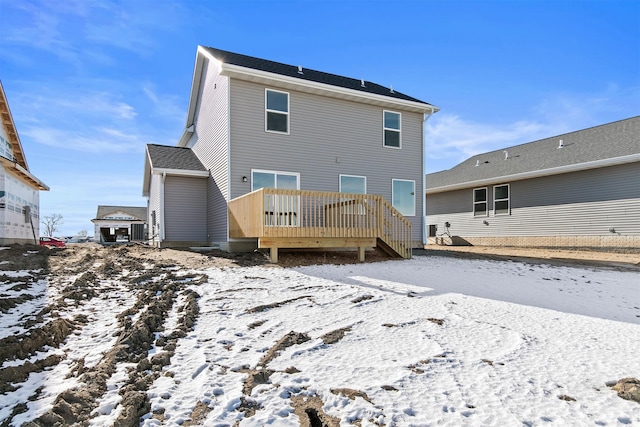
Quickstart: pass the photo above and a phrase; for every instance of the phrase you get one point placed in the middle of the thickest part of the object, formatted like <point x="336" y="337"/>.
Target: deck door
<point x="280" y="210"/>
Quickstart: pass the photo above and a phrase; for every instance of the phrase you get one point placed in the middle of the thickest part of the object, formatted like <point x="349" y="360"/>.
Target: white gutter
<point x="424" y="180"/>
<point x="181" y="172"/>
<point x="539" y="173"/>
<point x="236" y="69"/>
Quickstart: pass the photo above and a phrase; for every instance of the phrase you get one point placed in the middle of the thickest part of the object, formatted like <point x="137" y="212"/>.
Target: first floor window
<point x="280" y="209"/>
<point x="353" y="184"/>
<point x="501" y="199"/>
<point x="480" y="202"/>
<point x="403" y="195"/>
<point x="276" y="111"/>
<point x="391" y="129"/>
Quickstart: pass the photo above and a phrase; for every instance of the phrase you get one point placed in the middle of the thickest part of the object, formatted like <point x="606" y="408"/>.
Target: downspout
<point x="424" y="180"/>
<point x="162" y="179"/>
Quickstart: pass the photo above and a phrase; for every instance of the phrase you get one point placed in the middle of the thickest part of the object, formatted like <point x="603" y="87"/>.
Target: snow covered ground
<point x="432" y="341"/>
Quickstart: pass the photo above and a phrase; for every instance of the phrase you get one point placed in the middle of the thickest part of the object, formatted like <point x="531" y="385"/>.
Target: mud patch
<point x="309" y="411"/>
<point x="628" y="388"/>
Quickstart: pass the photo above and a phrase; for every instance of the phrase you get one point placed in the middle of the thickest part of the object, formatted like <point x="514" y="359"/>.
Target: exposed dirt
<point x="63" y="280"/>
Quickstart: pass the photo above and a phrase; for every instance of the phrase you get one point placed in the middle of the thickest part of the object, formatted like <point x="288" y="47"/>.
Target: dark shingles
<point x="182" y="158"/>
<point x="608" y="141"/>
<point x="307" y="74"/>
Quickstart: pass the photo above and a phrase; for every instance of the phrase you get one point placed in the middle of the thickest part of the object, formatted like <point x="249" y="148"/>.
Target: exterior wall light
<point x="244" y="179"/>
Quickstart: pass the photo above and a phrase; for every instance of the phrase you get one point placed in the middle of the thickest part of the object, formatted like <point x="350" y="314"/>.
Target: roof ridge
<point x="293" y="71"/>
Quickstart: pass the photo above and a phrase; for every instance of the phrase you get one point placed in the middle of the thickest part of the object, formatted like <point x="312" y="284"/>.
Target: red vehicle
<point x="52" y="242"/>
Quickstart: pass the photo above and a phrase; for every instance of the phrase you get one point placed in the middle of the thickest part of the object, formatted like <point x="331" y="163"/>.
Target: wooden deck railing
<point x="302" y="214"/>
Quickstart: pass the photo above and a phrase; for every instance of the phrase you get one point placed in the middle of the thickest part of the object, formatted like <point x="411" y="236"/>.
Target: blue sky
<point x="90" y="83"/>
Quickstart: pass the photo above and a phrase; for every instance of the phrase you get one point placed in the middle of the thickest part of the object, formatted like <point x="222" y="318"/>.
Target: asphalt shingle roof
<point x="608" y="141"/>
<point x="135" y="211"/>
<point x="307" y="74"/>
<point x="181" y="158"/>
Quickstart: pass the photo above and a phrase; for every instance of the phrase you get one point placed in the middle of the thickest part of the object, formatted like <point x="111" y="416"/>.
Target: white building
<point x="19" y="189"/>
<point x="119" y="224"/>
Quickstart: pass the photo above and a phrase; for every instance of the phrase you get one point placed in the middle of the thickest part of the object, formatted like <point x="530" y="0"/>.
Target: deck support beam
<point x="274" y="243"/>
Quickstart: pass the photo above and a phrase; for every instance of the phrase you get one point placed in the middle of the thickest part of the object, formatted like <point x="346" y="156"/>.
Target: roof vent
<point x="506" y="154"/>
<point x="477" y="163"/>
<point x="362" y="83"/>
<point x="300" y="69"/>
<point x="560" y="144"/>
<point x="391" y="89"/>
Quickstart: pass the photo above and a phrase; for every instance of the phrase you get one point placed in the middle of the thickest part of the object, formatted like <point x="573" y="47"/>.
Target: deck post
<point x="273" y="254"/>
<point x="361" y="253"/>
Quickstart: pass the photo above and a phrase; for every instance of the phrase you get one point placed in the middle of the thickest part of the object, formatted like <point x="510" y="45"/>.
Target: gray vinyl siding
<point x="185" y="209"/>
<point x="585" y="203"/>
<point x="154" y="205"/>
<point x="211" y="147"/>
<point x="328" y="137"/>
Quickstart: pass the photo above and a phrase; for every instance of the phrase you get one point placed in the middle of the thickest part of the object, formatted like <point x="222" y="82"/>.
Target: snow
<point x="430" y="341"/>
<point x="514" y="338"/>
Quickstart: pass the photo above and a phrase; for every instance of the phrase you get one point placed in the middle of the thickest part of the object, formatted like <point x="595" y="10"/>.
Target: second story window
<point x="391" y="128"/>
<point x="276" y="111"/>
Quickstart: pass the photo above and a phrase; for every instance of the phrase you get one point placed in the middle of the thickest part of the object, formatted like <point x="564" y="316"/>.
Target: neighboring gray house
<point x="580" y="189"/>
<point x="19" y="189"/>
<point x="254" y="123"/>
<point x="120" y="224"/>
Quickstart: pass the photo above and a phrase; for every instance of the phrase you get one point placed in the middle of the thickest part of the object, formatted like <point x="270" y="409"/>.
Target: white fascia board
<point x="181" y="172"/>
<point x="539" y="173"/>
<point x="230" y="69"/>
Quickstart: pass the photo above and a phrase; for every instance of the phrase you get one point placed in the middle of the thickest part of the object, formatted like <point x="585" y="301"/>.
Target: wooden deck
<point x="313" y="219"/>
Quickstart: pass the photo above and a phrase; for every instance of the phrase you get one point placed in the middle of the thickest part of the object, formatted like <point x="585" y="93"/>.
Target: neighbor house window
<point x="403" y="195"/>
<point x="391" y="128"/>
<point x="480" y="202"/>
<point x="276" y="111"/>
<point x="353" y="184"/>
<point x="501" y="199"/>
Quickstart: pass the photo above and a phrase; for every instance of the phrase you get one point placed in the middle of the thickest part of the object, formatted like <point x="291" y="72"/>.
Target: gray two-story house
<point x="278" y="155"/>
<point x="579" y="189"/>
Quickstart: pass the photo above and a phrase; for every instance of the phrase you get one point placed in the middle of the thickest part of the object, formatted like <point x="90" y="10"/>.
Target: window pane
<point x="480" y="195"/>
<point x="263" y="180"/>
<point x="391" y="120"/>
<point x="278" y="101"/>
<point x="501" y="192"/>
<point x="480" y="209"/>
<point x="502" y="207"/>
<point x="353" y="184"/>
<point x="404" y="197"/>
<point x="391" y="138"/>
<point x="277" y="122"/>
<point x="288" y="182"/>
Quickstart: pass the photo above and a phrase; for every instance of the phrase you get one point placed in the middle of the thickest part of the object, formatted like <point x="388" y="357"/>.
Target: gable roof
<point x="599" y="146"/>
<point x="177" y="158"/>
<point x="298" y="72"/>
<point x="19" y="161"/>
<point x="135" y="211"/>
<point x="289" y="77"/>
<point x="163" y="159"/>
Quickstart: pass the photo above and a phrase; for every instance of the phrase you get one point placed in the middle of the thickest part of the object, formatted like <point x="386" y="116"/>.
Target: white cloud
<point x="451" y="139"/>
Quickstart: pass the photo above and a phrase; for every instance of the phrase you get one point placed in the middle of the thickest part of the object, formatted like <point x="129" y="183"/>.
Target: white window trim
<point x="486" y="202"/>
<point x="351" y="176"/>
<point x="508" y="200"/>
<point x="384" y="128"/>
<point x="413" y="212"/>
<point x="266" y="111"/>
<point x="296" y="174"/>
